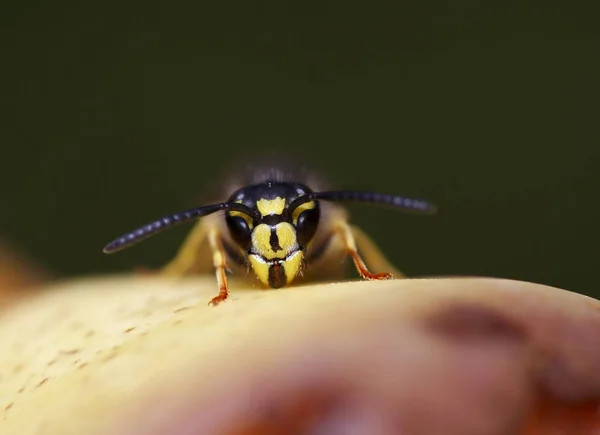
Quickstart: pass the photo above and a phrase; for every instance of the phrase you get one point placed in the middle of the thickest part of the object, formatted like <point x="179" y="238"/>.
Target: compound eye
<point x="306" y="225"/>
<point x="239" y="230"/>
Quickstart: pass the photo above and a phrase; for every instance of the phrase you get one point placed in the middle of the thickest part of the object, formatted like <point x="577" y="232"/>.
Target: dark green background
<point x="114" y="113"/>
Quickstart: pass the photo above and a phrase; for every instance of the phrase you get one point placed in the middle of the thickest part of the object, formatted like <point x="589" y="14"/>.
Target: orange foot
<point x="223" y="294"/>
<point x="375" y="276"/>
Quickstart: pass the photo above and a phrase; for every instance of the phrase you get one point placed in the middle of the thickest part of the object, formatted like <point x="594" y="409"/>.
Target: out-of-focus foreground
<point x="130" y="355"/>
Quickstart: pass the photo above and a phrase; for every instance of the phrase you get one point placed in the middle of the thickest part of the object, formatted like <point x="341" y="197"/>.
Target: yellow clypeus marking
<point x="286" y="234"/>
<point x="286" y="237"/>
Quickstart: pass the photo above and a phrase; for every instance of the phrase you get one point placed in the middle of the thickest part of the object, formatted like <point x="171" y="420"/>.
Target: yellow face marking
<point x="286" y="235"/>
<point x="261" y="237"/>
<point x="244" y="216"/>
<point x="270" y="206"/>
<point x="261" y="268"/>
<point x="302" y="207"/>
<point x="292" y="265"/>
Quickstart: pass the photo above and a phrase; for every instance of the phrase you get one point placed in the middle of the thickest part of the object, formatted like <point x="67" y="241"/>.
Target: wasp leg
<point x="345" y="232"/>
<point x="220" y="265"/>
<point x="372" y="254"/>
<point x="188" y="256"/>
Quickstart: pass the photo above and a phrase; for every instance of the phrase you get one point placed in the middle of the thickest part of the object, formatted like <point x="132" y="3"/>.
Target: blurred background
<point x="116" y="113"/>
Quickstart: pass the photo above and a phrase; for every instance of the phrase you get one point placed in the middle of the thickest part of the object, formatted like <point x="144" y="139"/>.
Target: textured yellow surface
<point x="125" y="355"/>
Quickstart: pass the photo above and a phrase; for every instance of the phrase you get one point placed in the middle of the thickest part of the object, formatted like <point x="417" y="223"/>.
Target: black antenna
<point x="171" y="221"/>
<point x="407" y="204"/>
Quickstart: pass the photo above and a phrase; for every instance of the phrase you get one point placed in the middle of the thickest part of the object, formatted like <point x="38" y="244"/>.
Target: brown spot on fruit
<point x="178" y="310"/>
<point x="110" y="356"/>
<point x="69" y="351"/>
<point x="469" y="321"/>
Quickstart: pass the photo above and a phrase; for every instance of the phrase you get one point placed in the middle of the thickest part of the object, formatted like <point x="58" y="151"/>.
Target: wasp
<point x="280" y="226"/>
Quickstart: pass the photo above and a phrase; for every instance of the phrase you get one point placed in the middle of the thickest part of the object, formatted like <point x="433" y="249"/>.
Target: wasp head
<point x="283" y="221"/>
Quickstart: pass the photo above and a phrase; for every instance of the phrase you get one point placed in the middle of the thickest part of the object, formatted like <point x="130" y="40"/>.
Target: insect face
<point x="272" y="226"/>
<point x="282" y="221"/>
